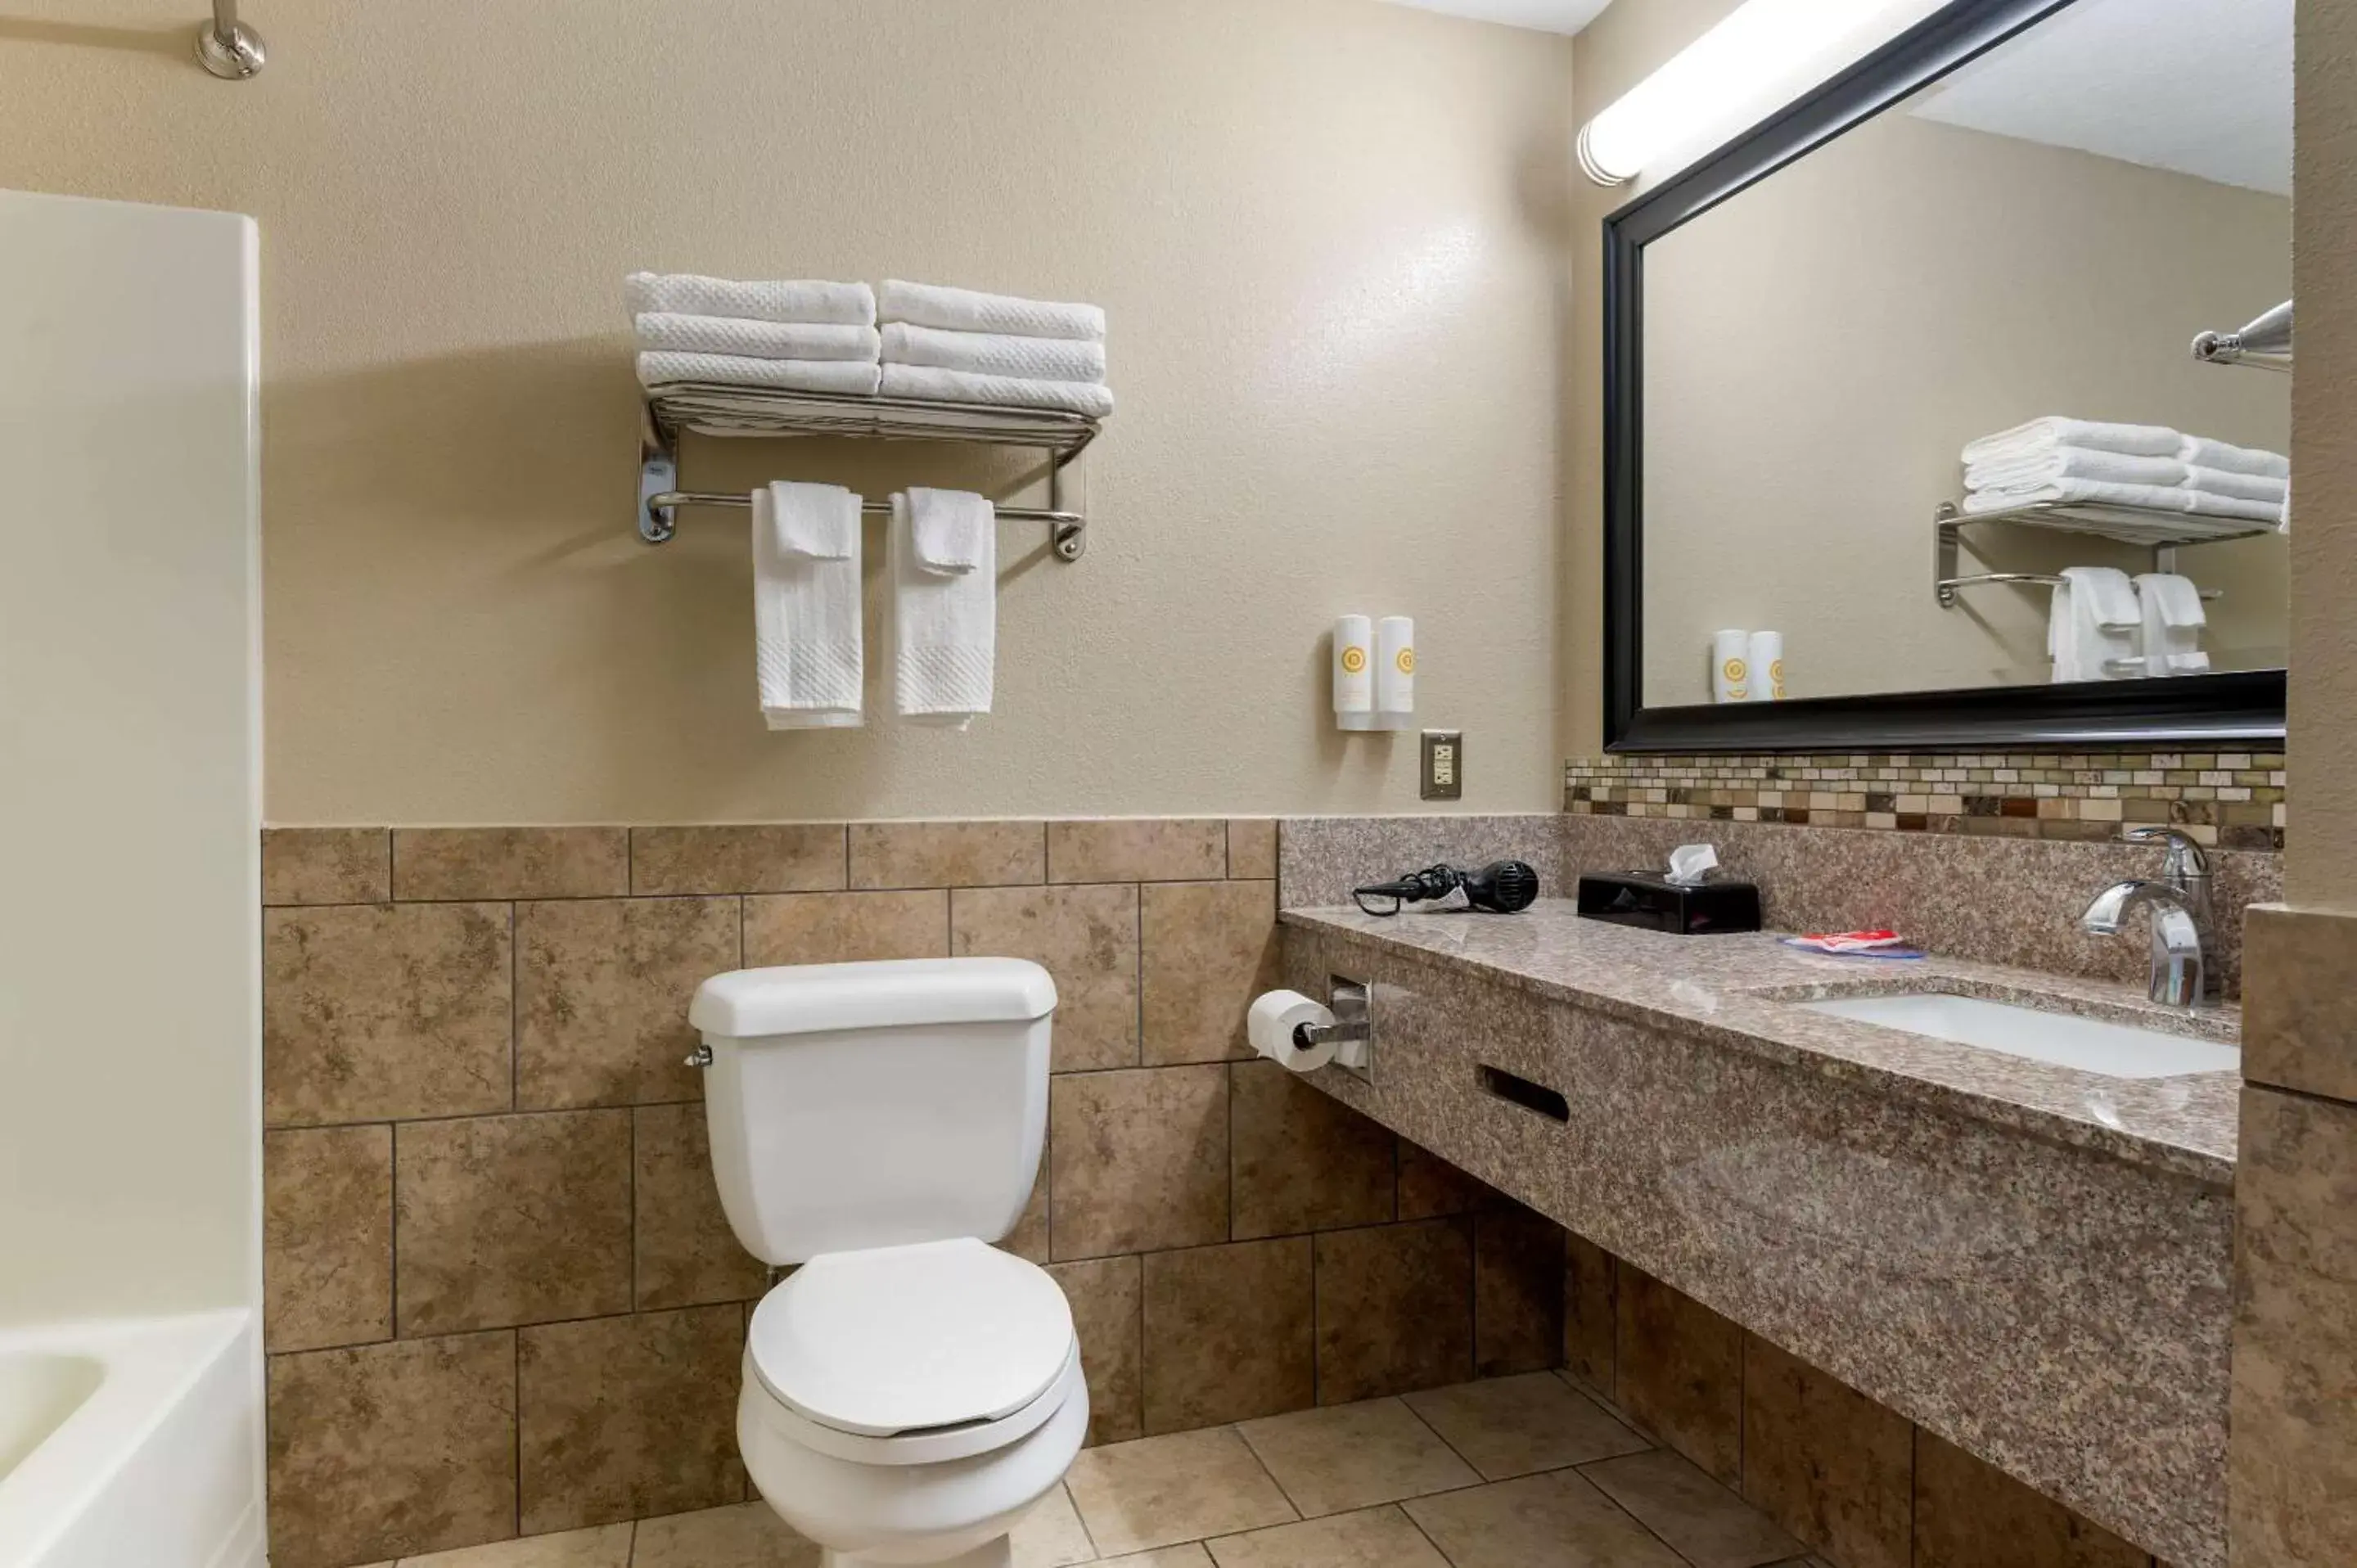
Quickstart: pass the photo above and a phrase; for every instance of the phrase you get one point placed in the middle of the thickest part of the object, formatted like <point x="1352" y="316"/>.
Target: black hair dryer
<point x="1501" y="887"/>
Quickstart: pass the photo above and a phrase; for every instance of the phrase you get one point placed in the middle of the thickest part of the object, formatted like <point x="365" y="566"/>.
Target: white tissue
<point x="1269" y="1026"/>
<point x="1689" y="864"/>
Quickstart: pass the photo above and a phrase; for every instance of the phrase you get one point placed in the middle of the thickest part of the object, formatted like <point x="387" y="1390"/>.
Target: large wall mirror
<point x="1905" y="377"/>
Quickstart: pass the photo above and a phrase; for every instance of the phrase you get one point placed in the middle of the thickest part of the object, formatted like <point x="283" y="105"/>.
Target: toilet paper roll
<point x="1269" y="1026"/>
<point x="1730" y="667"/>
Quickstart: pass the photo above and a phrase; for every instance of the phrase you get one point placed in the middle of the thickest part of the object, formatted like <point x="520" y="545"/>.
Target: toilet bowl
<point x="911" y="1391"/>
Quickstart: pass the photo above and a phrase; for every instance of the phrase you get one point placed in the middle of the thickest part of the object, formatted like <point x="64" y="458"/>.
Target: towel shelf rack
<point x="2163" y="532"/>
<point x="710" y="408"/>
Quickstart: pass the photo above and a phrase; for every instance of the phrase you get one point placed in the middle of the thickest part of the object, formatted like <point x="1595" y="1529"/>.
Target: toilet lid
<point x="895" y="1339"/>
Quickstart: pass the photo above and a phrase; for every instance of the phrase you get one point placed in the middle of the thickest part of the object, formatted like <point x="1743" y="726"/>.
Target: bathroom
<point x="387" y="733"/>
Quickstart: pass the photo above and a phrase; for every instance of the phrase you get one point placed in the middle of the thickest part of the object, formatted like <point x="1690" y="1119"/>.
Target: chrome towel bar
<point x="227" y="46"/>
<point x="1065" y="529"/>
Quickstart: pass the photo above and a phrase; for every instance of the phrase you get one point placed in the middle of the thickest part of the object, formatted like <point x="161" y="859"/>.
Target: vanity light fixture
<point x="1762" y="54"/>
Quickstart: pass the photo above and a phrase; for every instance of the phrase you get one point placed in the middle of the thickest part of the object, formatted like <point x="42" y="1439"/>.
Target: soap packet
<point x="1854" y="944"/>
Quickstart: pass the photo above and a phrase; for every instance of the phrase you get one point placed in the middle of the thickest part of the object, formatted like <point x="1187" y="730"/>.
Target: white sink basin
<point x="2090" y="1045"/>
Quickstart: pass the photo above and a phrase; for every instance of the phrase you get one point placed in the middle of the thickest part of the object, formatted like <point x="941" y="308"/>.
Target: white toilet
<point x="911" y="1391"/>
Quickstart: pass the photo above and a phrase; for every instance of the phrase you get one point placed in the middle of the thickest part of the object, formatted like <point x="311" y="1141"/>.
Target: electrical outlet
<point x="1444" y="765"/>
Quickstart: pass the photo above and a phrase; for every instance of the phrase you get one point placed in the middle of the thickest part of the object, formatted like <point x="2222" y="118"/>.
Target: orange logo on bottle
<point x="1406" y="661"/>
<point x="1353" y="660"/>
<point x="1736" y="669"/>
<point x="1776" y="671"/>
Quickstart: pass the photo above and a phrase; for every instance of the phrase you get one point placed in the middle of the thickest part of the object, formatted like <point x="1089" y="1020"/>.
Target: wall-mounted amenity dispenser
<point x="1354" y="674"/>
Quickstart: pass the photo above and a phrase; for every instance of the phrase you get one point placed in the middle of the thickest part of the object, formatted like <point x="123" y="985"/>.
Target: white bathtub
<point x="135" y="1443"/>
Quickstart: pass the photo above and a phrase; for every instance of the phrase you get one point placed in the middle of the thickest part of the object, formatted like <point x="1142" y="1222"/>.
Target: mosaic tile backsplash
<point x="2231" y="799"/>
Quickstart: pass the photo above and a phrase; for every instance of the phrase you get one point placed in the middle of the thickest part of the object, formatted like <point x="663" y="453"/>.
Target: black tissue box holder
<point x="1651" y="902"/>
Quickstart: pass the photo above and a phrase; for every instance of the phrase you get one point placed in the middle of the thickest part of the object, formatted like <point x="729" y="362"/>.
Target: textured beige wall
<point x="1820" y="347"/>
<point x="2321" y="868"/>
<point x="1330" y="234"/>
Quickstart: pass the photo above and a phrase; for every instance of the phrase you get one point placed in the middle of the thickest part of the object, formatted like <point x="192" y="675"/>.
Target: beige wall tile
<point x="1251" y="847"/>
<point x="1159" y="1491"/>
<point x="1140" y="849"/>
<point x="1430" y="1187"/>
<point x="606" y="1547"/>
<point x="376" y="1014"/>
<point x="1373" y="1538"/>
<point x="1303" y="1160"/>
<point x="506" y="1219"/>
<point x="1972" y="1515"/>
<point x="1228" y="1333"/>
<point x="1139" y="1161"/>
<point x="602" y="989"/>
<point x="391" y="1450"/>
<point x="1541" y="1521"/>
<point x="1347" y="1456"/>
<point x="1590" y="1304"/>
<point x="327" y="865"/>
<point x="1679" y="1371"/>
<point x="685" y="1254"/>
<point x="1703" y="1522"/>
<point x="2300" y="1008"/>
<point x="1086" y="937"/>
<point x="1518" y="1273"/>
<point x="327" y="1236"/>
<point x="786" y="857"/>
<point x="624" y="1417"/>
<point x="1513" y="1426"/>
<point x="948" y="855"/>
<point x="845" y="928"/>
<point x="511" y="862"/>
<point x="1395" y="1309"/>
<point x="2293" y="1462"/>
<point x="1104" y="1296"/>
<point x="1210" y="948"/>
<point x="743" y="1535"/>
<point x="1830" y="1465"/>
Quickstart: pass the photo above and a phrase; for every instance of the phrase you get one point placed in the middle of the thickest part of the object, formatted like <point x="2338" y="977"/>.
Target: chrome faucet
<point x="2184" y="969"/>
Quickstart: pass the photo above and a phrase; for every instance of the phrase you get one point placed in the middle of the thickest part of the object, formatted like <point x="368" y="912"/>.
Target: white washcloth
<point x="945" y="617"/>
<point x="2154" y="498"/>
<point x="808" y="652"/>
<point x="2051" y="463"/>
<point x="2171" y="635"/>
<point x="2134" y="440"/>
<point x="855" y="377"/>
<point x="934" y="385"/>
<point x="2243" y="487"/>
<point x="2092" y="628"/>
<point x="687" y="294"/>
<point x="963" y="310"/>
<point x="2203" y="452"/>
<point x="755" y="339"/>
<point x="993" y="354"/>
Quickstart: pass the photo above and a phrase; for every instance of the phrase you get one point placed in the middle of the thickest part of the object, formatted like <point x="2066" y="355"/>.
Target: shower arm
<point x="227" y="46"/>
<point x="2265" y="343"/>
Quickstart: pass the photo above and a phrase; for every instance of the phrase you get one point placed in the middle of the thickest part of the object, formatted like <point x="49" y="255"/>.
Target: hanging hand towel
<point x="807" y="641"/>
<point x="687" y="294"/>
<point x="925" y="382"/>
<point x="2172" y="620"/>
<point x="943" y="552"/>
<point x="854" y="377"/>
<point x="2203" y="452"/>
<point x="963" y="310"/>
<point x="993" y="354"/>
<point x="755" y="339"/>
<point x="2092" y="631"/>
<point x="2134" y="440"/>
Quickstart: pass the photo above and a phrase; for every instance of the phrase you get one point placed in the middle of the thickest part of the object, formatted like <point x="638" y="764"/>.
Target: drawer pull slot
<point x="1522" y="1092"/>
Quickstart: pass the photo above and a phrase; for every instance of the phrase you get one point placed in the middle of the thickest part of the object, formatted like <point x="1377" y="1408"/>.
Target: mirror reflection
<point x="1924" y="409"/>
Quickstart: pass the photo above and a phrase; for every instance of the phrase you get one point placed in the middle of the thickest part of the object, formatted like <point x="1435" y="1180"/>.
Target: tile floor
<point x="1523" y="1472"/>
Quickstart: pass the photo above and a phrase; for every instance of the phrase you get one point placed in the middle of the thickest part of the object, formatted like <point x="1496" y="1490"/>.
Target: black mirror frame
<point x="2238" y="707"/>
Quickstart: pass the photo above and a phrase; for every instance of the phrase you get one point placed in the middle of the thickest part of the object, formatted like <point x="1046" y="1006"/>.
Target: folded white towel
<point x="2134" y="440"/>
<point x="2172" y="617"/>
<point x="755" y="339"/>
<point x="944" y="615"/>
<point x="853" y="376"/>
<point x="2032" y="469"/>
<point x="1005" y="392"/>
<point x="2245" y="487"/>
<point x="2206" y="503"/>
<point x="2203" y="452"/>
<point x="2155" y="497"/>
<point x="2092" y="627"/>
<point x="688" y="294"/>
<point x="963" y="310"/>
<point x="808" y="652"/>
<point x="993" y="354"/>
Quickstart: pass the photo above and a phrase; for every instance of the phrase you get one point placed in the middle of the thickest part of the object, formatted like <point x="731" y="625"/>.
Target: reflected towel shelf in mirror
<point x="2163" y="532"/>
<point x="710" y="408"/>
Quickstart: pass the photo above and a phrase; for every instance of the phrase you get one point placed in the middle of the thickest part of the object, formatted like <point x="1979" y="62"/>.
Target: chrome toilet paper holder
<point x="1352" y="1032"/>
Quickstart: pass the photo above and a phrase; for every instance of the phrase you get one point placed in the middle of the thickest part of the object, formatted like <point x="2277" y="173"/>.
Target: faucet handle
<point x="2185" y="856"/>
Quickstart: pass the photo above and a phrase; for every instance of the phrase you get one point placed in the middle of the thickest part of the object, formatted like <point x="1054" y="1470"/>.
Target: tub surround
<point x="2030" y="1261"/>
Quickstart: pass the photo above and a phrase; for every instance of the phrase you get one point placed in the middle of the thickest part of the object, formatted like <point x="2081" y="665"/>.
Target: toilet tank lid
<point x="803" y="999"/>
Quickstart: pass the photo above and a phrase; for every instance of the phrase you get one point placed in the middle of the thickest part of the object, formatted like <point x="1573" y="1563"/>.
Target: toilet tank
<point x="857" y="1105"/>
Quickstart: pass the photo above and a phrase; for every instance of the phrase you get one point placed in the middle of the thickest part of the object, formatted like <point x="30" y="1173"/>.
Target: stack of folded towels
<point x="797" y="336"/>
<point x="2145" y="466"/>
<point x="952" y="345"/>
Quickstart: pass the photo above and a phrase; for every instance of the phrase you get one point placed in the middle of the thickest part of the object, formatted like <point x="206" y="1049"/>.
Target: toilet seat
<point x="938" y="1346"/>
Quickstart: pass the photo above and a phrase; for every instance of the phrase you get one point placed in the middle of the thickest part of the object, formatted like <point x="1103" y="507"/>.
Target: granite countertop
<point x="1737" y="991"/>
